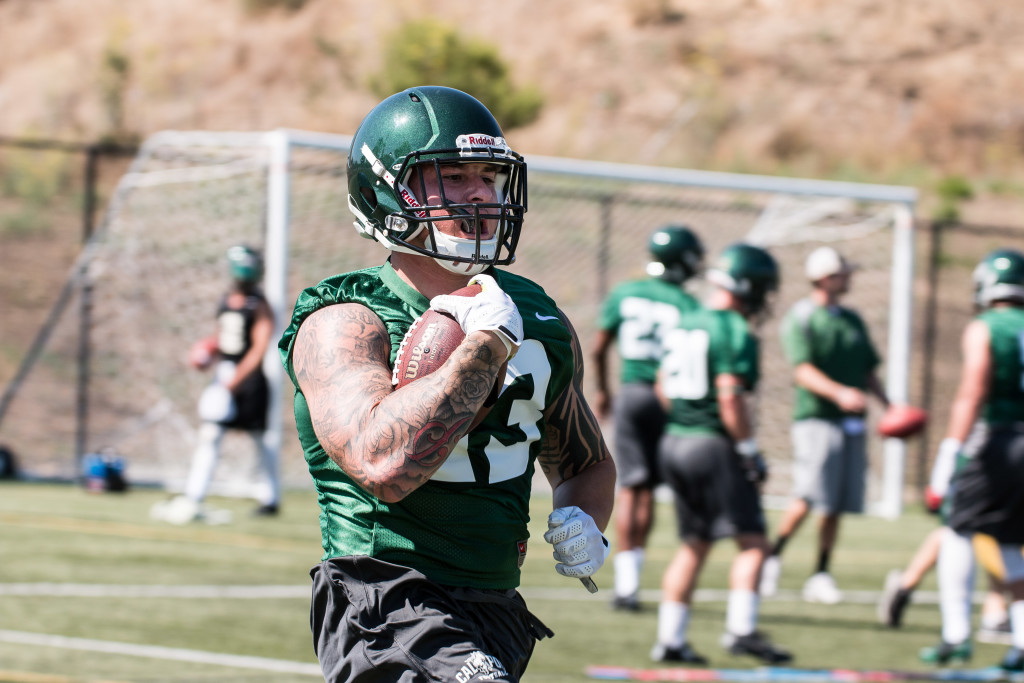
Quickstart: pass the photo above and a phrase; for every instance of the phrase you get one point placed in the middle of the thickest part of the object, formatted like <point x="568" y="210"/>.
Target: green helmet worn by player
<point x="676" y="253"/>
<point x="999" y="277"/>
<point x="749" y="272"/>
<point x="245" y="264"/>
<point x="436" y="126"/>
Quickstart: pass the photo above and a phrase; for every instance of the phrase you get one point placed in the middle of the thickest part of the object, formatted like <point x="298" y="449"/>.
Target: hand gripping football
<point x="902" y="421"/>
<point x="427" y="345"/>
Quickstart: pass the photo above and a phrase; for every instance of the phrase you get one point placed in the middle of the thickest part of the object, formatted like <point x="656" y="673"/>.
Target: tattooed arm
<point x="389" y="442"/>
<point x="574" y="456"/>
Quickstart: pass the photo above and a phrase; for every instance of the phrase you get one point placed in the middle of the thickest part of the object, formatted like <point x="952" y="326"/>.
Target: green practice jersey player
<point x="424" y="522"/>
<point x="709" y="456"/>
<point x="635" y="316"/>
<point x="834" y="366"/>
<point x="985" y="434"/>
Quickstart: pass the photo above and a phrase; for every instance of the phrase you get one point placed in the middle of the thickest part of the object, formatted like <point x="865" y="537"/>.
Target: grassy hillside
<point x="907" y="92"/>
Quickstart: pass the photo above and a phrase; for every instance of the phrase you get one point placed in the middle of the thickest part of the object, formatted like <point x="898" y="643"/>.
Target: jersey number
<point x="643" y="324"/>
<point x="528" y="375"/>
<point x="685" y="366"/>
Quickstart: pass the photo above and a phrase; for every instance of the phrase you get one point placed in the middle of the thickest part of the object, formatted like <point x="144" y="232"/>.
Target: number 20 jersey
<point x="707" y="343"/>
<point x="467" y="526"/>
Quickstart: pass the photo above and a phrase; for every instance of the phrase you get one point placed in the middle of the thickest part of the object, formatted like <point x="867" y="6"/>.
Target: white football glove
<point x="492" y="309"/>
<point x="580" y="547"/>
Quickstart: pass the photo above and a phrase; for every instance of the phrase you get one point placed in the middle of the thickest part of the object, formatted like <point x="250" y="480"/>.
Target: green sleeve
<point x="795" y="343"/>
<point x="609" y="317"/>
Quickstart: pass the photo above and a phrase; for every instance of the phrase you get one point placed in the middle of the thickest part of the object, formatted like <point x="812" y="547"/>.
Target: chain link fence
<point x="154" y="283"/>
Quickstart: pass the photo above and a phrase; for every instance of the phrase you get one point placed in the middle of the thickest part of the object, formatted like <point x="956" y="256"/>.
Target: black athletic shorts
<point x="251" y="399"/>
<point x="375" y="622"/>
<point x="639" y="421"/>
<point x="713" y="498"/>
<point x="988" y="493"/>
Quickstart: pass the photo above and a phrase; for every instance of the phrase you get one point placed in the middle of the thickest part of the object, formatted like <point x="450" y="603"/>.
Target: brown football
<point x="902" y="421"/>
<point x="428" y="343"/>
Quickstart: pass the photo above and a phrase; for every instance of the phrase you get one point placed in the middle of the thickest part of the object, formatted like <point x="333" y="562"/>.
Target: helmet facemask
<point x="471" y="253"/>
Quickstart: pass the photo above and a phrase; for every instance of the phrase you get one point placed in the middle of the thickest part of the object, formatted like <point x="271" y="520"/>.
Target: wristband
<point x="747" y="448"/>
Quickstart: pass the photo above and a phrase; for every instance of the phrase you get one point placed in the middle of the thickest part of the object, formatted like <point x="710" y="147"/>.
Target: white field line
<point x="99" y="590"/>
<point x="158" y="652"/>
<point x="90" y="590"/>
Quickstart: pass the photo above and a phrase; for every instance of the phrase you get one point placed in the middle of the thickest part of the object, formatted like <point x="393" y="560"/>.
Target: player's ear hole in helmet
<point x="676" y="253"/>
<point x="999" y="277"/>
<point x="436" y="127"/>
<point x="750" y="273"/>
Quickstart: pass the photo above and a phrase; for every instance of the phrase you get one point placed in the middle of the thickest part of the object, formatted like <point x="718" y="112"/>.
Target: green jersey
<point x="467" y="526"/>
<point x="705" y="344"/>
<point x="1005" y="401"/>
<point x="639" y="312"/>
<point x="835" y="341"/>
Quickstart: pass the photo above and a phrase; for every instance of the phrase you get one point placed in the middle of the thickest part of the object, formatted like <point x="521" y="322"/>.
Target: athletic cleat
<point x="771" y="570"/>
<point x="946" y="653"/>
<point x="626" y="603"/>
<point x="756" y="645"/>
<point x="821" y="588"/>
<point x="1013" y="661"/>
<point x="684" y="654"/>
<point x="894" y="600"/>
<point x="999" y="634"/>
<point x="266" y="510"/>
<point x="179" y="510"/>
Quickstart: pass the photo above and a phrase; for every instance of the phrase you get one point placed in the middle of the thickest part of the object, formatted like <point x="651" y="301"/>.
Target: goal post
<point x="900" y="201"/>
<point x="158" y="271"/>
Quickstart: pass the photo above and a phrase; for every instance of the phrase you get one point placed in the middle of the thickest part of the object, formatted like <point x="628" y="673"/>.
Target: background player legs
<point x="741" y="614"/>
<point x="634" y="516"/>
<point x="792" y="519"/>
<point x="269" y="494"/>
<point x="677" y="586"/>
<point x="204" y="461"/>
<point x="956" y="583"/>
<point x="828" y="532"/>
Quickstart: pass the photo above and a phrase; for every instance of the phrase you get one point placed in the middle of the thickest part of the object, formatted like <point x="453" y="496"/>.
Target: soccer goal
<point x="158" y="270"/>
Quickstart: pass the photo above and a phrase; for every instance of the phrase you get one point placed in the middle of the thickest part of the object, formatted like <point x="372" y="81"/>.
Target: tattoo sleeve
<point x="572" y="441"/>
<point x="388" y="441"/>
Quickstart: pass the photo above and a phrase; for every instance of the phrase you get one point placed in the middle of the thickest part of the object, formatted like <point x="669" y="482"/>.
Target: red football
<point x="200" y="355"/>
<point x="902" y="421"/>
<point x="428" y="343"/>
<point x="426" y="346"/>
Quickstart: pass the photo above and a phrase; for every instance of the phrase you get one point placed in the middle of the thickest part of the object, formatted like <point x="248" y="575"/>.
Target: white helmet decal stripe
<point x="383" y="172"/>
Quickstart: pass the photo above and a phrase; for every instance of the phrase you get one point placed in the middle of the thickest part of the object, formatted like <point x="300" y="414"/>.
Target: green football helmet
<point x="676" y="253"/>
<point x="435" y="126"/>
<point x="749" y="272"/>
<point x="245" y="264"/>
<point x="999" y="277"/>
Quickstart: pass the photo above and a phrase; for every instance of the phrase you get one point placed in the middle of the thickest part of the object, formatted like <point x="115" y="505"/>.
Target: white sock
<point x="269" y="492"/>
<point x="673" y="623"/>
<point x="639" y="556"/>
<point x="1017" y="623"/>
<point x="956" y="582"/>
<point x="204" y="461"/>
<point x="627" y="578"/>
<point x="741" y="614"/>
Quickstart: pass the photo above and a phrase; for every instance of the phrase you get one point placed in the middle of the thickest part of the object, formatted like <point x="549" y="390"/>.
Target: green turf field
<point x="92" y="590"/>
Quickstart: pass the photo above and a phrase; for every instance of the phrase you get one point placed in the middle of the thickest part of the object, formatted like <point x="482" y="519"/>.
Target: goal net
<point x="159" y="271"/>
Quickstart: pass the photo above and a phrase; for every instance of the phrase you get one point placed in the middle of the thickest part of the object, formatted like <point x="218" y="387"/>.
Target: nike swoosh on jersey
<point x="545" y="317"/>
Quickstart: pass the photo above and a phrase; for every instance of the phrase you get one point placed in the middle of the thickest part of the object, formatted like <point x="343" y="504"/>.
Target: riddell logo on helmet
<point x="487" y="140"/>
<point x="411" y="201"/>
